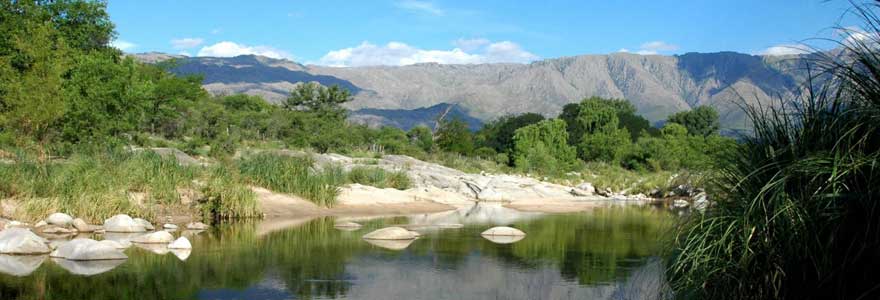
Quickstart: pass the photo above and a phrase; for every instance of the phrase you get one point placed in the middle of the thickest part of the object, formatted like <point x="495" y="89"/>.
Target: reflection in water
<point x="181" y="254"/>
<point x="390" y="244"/>
<point x="160" y="249"/>
<point x="504" y="239"/>
<point x="89" y="267"/>
<point x="606" y="254"/>
<point x="20" y="265"/>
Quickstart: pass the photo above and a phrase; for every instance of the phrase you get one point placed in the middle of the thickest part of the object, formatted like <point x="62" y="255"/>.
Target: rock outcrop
<point x="123" y="223"/>
<point x="59" y="219"/>
<point x="88" y="249"/>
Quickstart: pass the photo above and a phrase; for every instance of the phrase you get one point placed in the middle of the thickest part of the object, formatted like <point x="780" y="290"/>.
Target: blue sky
<point x="395" y="32"/>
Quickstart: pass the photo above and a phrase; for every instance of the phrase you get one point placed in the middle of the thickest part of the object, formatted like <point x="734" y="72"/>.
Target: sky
<point x="401" y="32"/>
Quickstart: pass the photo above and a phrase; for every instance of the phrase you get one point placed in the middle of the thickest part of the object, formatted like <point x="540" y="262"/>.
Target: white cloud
<point x="421" y="6"/>
<point x="186" y="43"/>
<point x="397" y="54"/>
<point x="652" y="48"/>
<point x="784" y="49"/>
<point x="216" y="31"/>
<point x="470" y="44"/>
<point x="123" y="45"/>
<point x="655" y="47"/>
<point x="230" y="49"/>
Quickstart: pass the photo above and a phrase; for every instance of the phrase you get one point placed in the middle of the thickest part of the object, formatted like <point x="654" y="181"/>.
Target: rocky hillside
<point x="657" y="85"/>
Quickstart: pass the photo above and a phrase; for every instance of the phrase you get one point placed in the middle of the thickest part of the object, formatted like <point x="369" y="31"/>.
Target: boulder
<point x="180" y="243"/>
<point x="391" y="244"/>
<point x="587" y="188"/>
<point x="82" y="226"/>
<point x="40" y="224"/>
<point x="169" y="226"/>
<point x="116" y="244"/>
<point x="197" y="226"/>
<point x="16" y="224"/>
<point x="158" y="237"/>
<point x="391" y="233"/>
<point x="123" y="223"/>
<point x="87" y="249"/>
<point x="679" y="203"/>
<point x="59" y="219"/>
<point x="503" y="231"/>
<point x="22" y="241"/>
<point x="147" y="224"/>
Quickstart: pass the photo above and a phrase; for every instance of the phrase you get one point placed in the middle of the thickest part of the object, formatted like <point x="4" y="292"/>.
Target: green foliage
<point x="95" y="186"/>
<point x="701" y="121"/>
<point x="315" y="98"/>
<point x="31" y="81"/>
<point x="498" y="134"/>
<point x="378" y="177"/>
<point x="543" y="147"/>
<point x="292" y="175"/>
<point x="226" y="195"/>
<point x="797" y="214"/>
<point x="422" y="137"/>
<point x="454" y="136"/>
<point x="609" y="145"/>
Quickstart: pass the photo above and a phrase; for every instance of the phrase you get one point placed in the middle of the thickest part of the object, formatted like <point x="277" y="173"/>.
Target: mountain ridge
<point x="657" y="85"/>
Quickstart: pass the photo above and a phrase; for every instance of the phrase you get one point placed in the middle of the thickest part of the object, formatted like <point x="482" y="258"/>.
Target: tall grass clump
<point x="380" y="178"/>
<point x="226" y="196"/>
<point x="293" y="175"/>
<point x="94" y="185"/>
<point x="798" y="215"/>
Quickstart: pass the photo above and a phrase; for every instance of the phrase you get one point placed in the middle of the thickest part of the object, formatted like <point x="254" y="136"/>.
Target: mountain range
<point x="657" y="85"/>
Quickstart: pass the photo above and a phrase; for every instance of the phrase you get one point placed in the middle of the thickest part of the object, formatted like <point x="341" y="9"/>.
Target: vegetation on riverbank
<point x="798" y="214"/>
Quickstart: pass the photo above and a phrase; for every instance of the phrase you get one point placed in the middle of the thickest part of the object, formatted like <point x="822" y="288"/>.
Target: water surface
<point x="604" y="254"/>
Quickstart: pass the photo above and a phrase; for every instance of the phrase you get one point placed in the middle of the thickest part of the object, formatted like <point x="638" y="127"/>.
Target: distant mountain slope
<point x="657" y="85"/>
<point x="406" y="119"/>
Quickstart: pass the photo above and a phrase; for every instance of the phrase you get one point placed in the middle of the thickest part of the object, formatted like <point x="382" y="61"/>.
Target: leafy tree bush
<point x="701" y="121"/>
<point x="543" y="147"/>
<point x="454" y="136"/>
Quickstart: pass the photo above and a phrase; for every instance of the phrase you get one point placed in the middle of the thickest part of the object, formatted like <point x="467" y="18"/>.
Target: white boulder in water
<point x="180" y="243"/>
<point x="22" y="241"/>
<point x="197" y="226"/>
<point x="391" y="244"/>
<point x="87" y="249"/>
<point x="59" y="219"/>
<point x="147" y="224"/>
<point x="158" y="237"/>
<point x="123" y="223"/>
<point x="169" y="226"/>
<point x="391" y="233"/>
<point x="503" y="231"/>
<point x="82" y="226"/>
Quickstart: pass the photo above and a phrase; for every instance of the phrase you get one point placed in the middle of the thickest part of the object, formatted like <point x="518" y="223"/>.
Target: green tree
<point x="701" y="121"/>
<point x="596" y="125"/>
<point x="422" y="137"/>
<point x="543" y="147"/>
<point x="498" y="134"/>
<point x="454" y="136"/>
<point x="626" y="115"/>
<point x="31" y="83"/>
<point x="315" y="98"/>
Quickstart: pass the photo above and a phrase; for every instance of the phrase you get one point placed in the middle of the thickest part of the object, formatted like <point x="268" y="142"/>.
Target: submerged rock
<point x="347" y="225"/>
<point x="197" y="226"/>
<point x="391" y="244"/>
<point x="180" y="243"/>
<point x="59" y="219"/>
<point x="392" y="233"/>
<point x="87" y="249"/>
<point x="88" y="268"/>
<point x="123" y="223"/>
<point x="169" y="226"/>
<point x="54" y="229"/>
<point x="40" y="224"/>
<point x="503" y="231"/>
<point x="20" y="265"/>
<point x="22" y="241"/>
<point x="158" y="237"/>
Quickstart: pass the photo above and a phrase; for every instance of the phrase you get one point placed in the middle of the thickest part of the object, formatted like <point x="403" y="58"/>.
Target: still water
<point x="604" y="254"/>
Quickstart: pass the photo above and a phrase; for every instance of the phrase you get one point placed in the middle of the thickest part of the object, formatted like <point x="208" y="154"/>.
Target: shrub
<point x="543" y="147"/>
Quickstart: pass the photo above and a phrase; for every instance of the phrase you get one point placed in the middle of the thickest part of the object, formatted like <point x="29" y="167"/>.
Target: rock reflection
<point x="88" y="268"/>
<point x="160" y="249"/>
<point x="20" y="265"/>
<point x="181" y="254"/>
<point x="391" y="244"/>
<point x="504" y="239"/>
